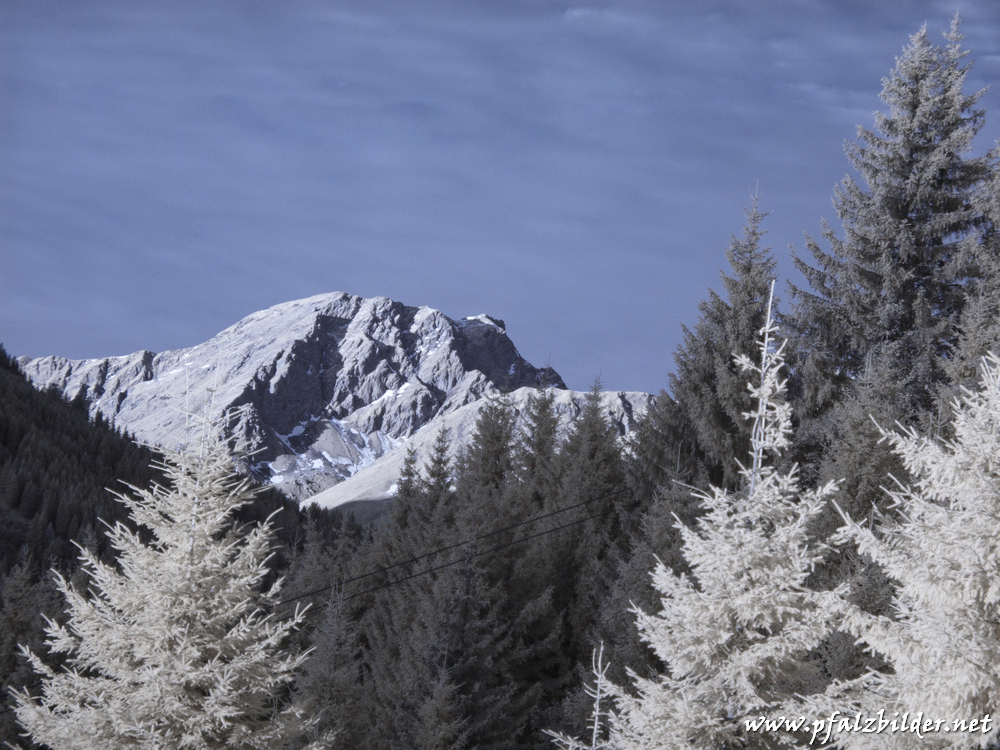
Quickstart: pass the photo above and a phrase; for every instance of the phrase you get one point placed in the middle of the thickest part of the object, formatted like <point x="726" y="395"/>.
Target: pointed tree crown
<point x="897" y="277"/>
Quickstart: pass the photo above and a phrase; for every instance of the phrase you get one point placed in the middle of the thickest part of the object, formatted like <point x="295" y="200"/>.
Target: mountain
<point x="328" y="386"/>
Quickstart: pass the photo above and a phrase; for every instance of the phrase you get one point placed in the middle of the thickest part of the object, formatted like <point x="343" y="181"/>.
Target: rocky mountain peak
<point x="329" y="383"/>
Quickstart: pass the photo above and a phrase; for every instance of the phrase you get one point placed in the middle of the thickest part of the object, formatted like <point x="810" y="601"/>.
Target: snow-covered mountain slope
<point x="378" y="481"/>
<point x="330" y="384"/>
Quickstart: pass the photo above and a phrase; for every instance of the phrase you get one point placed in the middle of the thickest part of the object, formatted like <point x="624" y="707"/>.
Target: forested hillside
<point x="736" y="557"/>
<point x="54" y="467"/>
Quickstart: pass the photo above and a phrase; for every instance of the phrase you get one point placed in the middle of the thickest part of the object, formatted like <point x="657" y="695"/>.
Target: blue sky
<point x="575" y="169"/>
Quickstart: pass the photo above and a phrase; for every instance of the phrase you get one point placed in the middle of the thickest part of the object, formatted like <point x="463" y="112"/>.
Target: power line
<point x="480" y="554"/>
<point x="467" y="557"/>
<point x="449" y="547"/>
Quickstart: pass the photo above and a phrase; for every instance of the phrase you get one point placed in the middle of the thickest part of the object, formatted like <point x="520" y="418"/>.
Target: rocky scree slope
<point x="329" y="384"/>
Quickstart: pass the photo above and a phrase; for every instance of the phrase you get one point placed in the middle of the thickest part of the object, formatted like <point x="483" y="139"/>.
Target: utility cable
<point x="479" y="554"/>
<point x="449" y="547"/>
<point x="463" y="559"/>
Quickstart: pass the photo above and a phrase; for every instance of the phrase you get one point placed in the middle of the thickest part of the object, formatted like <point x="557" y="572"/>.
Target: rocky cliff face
<point x="329" y="384"/>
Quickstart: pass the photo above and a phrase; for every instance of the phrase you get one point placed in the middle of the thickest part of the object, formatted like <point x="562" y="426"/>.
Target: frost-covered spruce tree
<point x="176" y="649"/>
<point x="896" y="281"/>
<point x="944" y="642"/>
<point x="737" y="633"/>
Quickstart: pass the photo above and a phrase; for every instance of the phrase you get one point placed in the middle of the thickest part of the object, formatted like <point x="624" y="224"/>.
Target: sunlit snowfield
<point x="575" y="169"/>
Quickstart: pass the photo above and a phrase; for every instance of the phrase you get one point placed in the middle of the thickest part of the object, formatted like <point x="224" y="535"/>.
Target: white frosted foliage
<point x="736" y="634"/>
<point x="944" y="555"/>
<point x="175" y="650"/>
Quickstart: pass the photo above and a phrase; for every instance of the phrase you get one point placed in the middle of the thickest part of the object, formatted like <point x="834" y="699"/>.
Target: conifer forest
<point x="805" y="523"/>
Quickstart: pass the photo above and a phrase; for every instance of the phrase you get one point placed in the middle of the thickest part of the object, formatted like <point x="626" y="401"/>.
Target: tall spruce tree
<point x="536" y="457"/>
<point x="879" y="325"/>
<point x="893" y="287"/>
<point x="435" y="640"/>
<point x="592" y="472"/>
<point x="25" y="604"/>
<point x="707" y="385"/>
<point x="435" y="649"/>
<point x="329" y="683"/>
<point x="486" y="464"/>
<point x="695" y="436"/>
<point x="980" y="323"/>
<point x="541" y="668"/>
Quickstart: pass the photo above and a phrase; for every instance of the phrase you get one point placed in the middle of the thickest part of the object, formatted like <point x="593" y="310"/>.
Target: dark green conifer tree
<point x="979" y="328"/>
<point x="423" y="508"/>
<point x="435" y="643"/>
<point x="438" y="493"/>
<point x="486" y="464"/>
<point x="440" y="724"/>
<point x="540" y="668"/>
<point x="25" y="601"/>
<point x="472" y="646"/>
<point x="707" y="385"/>
<point x="408" y="487"/>
<point x="586" y="556"/>
<point x="330" y="683"/>
<point x="593" y="472"/>
<point x="536" y="455"/>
